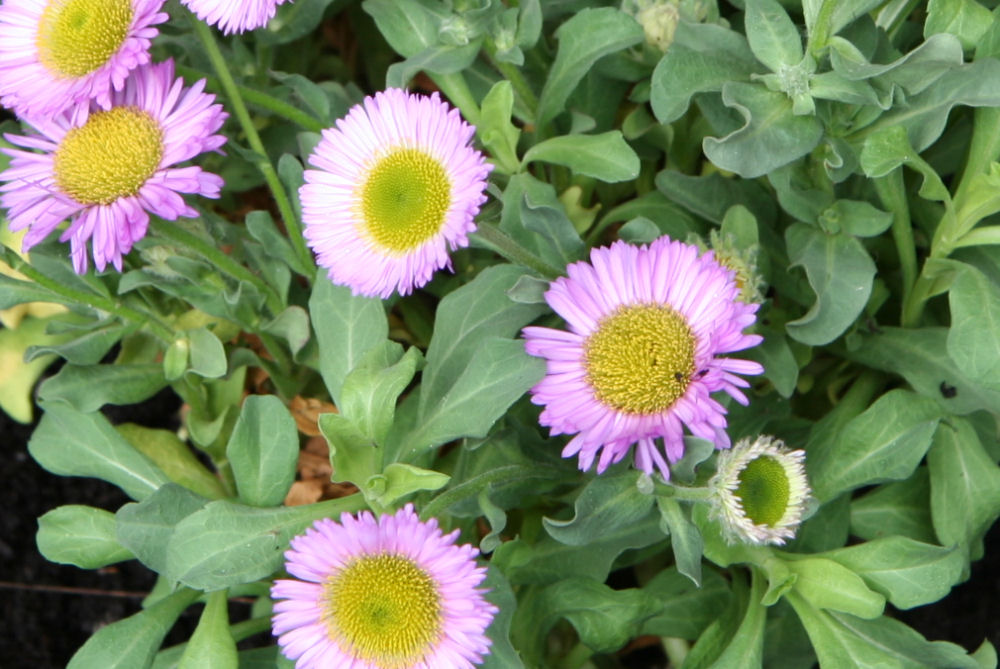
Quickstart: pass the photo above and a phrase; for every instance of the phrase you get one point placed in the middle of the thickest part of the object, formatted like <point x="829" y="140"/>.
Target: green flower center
<point x="764" y="490"/>
<point x="111" y="156"/>
<point x="75" y="37"/>
<point x="640" y="358"/>
<point x="404" y="199"/>
<point x="385" y="609"/>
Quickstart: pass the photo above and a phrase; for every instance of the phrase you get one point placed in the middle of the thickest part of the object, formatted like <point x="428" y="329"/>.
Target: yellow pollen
<point x="404" y="199"/>
<point x="383" y="609"/>
<point x="75" y="37"/>
<point x="640" y="359"/>
<point x="111" y="156"/>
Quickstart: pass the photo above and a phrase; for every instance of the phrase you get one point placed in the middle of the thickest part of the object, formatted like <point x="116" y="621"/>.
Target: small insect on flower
<point x="395" y="186"/>
<point x="642" y="354"/>
<point x="392" y="593"/>
<point x="106" y="170"/>
<point x="59" y="53"/>
<point x="760" y="490"/>
<point x="234" y="16"/>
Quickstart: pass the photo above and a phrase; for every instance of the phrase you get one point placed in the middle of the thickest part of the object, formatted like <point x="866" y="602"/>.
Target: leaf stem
<point x="499" y="241"/>
<point x="521" y="86"/>
<point x="292" y="224"/>
<point x="821" y="29"/>
<point x="473" y="486"/>
<point x="261" y="99"/>
<point x="892" y="192"/>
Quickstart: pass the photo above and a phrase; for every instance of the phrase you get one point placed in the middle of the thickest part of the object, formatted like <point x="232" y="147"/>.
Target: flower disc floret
<point x="57" y="54"/>
<point x="647" y="327"/>
<point x="759" y="491"/>
<point x="234" y="16"/>
<point x="395" y="185"/>
<point x="392" y="593"/>
<point x="107" y="170"/>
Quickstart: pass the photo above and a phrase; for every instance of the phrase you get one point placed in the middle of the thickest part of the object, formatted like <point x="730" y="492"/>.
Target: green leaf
<point x="536" y="218"/>
<point x="502" y="654"/>
<point x="133" y="642"/>
<point x="774" y="39"/>
<point x="772" y="135"/>
<point x="437" y="59"/>
<point x="584" y="39"/>
<point x="685" y="539"/>
<point x="745" y="648"/>
<point x="292" y="325"/>
<point x="686" y="609"/>
<point x="263" y="451"/>
<point x="842" y="640"/>
<point x="828" y="585"/>
<point x="966" y="19"/>
<point x="886" y="442"/>
<point x="212" y="645"/>
<point x="921" y="357"/>
<point x="710" y="57"/>
<point x="70" y="443"/>
<point x="145" y="528"/>
<point x="606" y="501"/>
<point x="606" y="156"/>
<point x="974" y="337"/>
<point x="207" y="356"/>
<point x="840" y="272"/>
<point x="844" y="12"/>
<point x="87" y="349"/>
<point x="604" y="618"/>
<point x="370" y="391"/>
<point x="780" y="366"/>
<point x="410" y="26"/>
<point x="857" y="218"/>
<point x="899" y="508"/>
<point x="353" y="454"/>
<point x="80" y="535"/>
<point x="225" y="543"/>
<point x="495" y="130"/>
<point x="711" y="196"/>
<point x="909" y="573"/>
<point x="889" y="148"/>
<point x="346" y="326"/>
<point x="174" y="457"/>
<point x="17" y="375"/>
<point x="965" y="484"/>
<point x="14" y="292"/>
<point x="397" y="481"/>
<point x="88" y="388"/>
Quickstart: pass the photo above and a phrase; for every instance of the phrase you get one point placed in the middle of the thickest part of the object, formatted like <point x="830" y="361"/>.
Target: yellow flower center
<point x="110" y="156"/>
<point x="764" y="491"/>
<point x="404" y="199"/>
<point x="641" y="358"/>
<point x="75" y="37"/>
<point x="383" y="609"/>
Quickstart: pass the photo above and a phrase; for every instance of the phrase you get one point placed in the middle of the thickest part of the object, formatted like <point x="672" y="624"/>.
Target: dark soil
<point x="50" y="610"/>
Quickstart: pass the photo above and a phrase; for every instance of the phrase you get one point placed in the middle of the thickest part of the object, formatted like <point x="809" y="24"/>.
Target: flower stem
<point x="521" y="86"/>
<point x="499" y="241"/>
<point x="684" y="493"/>
<point x="261" y="99"/>
<point x="457" y="90"/>
<point x="263" y="162"/>
<point x="222" y="261"/>
<point x="892" y="192"/>
<point x="472" y="487"/>
<point x="98" y="302"/>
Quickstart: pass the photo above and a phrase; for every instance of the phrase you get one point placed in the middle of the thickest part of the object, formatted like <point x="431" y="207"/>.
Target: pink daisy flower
<point x="392" y="593"/>
<point x="58" y="53"/>
<point x="640" y="359"/>
<point x="396" y="185"/>
<point x="107" y="170"/>
<point x="234" y="16"/>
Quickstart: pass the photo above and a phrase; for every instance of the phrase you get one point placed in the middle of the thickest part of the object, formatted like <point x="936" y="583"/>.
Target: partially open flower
<point x="234" y="16"/>
<point x="392" y="593"/>
<point x="760" y="491"/>
<point x="58" y="53"/>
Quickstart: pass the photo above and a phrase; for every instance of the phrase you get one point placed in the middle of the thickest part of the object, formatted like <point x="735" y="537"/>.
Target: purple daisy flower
<point x="396" y="185"/>
<point x="107" y="170"/>
<point x="234" y="16"/>
<point x="58" y="53"/>
<point x="392" y="593"/>
<point x="640" y="359"/>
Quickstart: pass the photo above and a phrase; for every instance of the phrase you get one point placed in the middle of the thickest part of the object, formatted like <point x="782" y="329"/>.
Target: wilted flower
<point x="760" y="490"/>
<point x="392" y="593"/>
<point x="647" y="326"/>
<point x="396" y="185"/>
<point x="107" y="170"/>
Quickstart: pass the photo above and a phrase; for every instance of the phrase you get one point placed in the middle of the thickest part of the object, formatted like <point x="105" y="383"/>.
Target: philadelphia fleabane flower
<point x="234" y="16"/>
<point x="647" y="326"/>
<point x="58" y="53"/>
<point x="760" y="491"/>
<point x="396" y="185"/>
<point x="392" y="593"/>
<point x="107" y="170"/>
